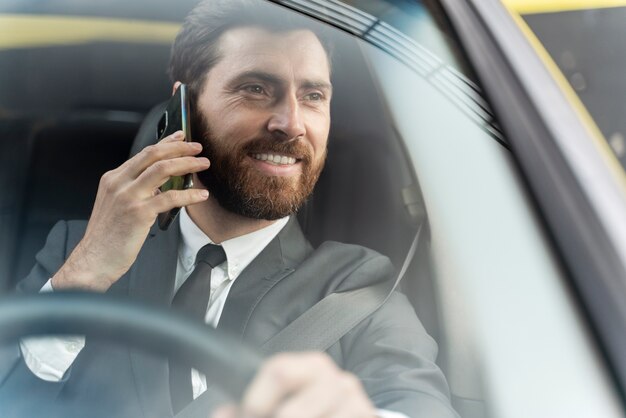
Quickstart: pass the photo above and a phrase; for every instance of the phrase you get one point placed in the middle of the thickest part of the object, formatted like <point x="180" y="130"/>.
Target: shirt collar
<point x="240" y="251"/>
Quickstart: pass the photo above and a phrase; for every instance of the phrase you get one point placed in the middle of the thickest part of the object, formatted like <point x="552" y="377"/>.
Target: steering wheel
<point x="158" y="331"/>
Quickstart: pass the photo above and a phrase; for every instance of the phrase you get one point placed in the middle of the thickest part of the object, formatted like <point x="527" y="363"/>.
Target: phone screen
<point x="175" y="118"/>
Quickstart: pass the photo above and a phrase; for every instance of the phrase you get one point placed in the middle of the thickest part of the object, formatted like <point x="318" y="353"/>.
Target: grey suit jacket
<point x="389" y="351"/>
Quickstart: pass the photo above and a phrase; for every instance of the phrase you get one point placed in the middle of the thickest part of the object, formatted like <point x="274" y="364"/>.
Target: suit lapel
<point x="151" y="280"/>
<point x="279" y="259"/>
<point x="153" y="274"/>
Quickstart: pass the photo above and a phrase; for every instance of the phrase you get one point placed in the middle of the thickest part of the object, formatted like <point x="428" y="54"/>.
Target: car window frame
<point x="587" y="231"/>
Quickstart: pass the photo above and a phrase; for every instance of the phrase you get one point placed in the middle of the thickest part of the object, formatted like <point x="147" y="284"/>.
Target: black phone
<point x="176" y="117"/>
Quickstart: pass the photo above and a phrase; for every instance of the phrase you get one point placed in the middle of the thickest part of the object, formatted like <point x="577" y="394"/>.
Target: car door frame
<point x="574" y="179"/>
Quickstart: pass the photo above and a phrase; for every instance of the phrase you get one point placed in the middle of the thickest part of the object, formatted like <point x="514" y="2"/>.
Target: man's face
<point x="265" y="107"/>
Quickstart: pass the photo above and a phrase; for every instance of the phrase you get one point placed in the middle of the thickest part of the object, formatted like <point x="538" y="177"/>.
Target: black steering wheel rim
<point x="138" y="324"/>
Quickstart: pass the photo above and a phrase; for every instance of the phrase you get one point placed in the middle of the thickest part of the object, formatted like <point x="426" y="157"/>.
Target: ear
<point x="175" y="87"/>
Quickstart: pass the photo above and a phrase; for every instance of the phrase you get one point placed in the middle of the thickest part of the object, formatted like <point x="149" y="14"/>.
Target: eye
<point x="315" y="97"/>
<point x="254" y="89"/>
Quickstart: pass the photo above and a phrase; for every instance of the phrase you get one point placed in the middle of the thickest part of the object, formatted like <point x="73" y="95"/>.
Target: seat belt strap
<point x="328" y="320"/>
<point x="331" y="318"/>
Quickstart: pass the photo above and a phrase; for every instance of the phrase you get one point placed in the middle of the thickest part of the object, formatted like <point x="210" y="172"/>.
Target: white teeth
<point x="276" y="159"/>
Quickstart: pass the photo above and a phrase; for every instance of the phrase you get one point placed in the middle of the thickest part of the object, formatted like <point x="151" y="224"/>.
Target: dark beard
<point x="240" y="188"/>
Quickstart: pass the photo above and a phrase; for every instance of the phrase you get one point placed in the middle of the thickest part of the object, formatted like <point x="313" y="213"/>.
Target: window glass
<point x="416" y="165"/>
<point x="586" y="42"/>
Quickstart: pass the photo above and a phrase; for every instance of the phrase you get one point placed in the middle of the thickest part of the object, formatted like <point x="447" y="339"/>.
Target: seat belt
<point x="321" y="326"/>
<point x="331" y="318"/>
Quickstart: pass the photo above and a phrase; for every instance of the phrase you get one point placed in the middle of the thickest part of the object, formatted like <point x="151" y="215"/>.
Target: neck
<point x="221" y="225"/>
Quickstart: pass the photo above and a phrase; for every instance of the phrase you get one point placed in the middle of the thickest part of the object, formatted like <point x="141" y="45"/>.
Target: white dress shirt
<point x="49" y="358"/>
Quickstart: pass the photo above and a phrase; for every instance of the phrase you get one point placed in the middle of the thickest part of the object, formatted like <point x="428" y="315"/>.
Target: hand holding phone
<point x="125" y="205"/>
<point x="176" y="117"/>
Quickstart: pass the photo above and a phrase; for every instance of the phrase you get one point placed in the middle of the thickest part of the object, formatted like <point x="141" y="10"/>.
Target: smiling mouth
<point x="276" y="159"/>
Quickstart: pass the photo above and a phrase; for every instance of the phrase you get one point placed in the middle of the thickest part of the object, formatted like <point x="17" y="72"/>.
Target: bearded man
<point x="261" y="91"/>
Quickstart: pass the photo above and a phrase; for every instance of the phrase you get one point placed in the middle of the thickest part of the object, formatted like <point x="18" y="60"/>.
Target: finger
<point x="352" y="410"/>
<point x="341" y="391"/>
<point x="315" y="400"/>
<point x="176" y="199"/>
<point x="226" y="411"/>
<point x="159" y="172"/>
<point x="175" y="137"/>
<point x="281" y="376"/>
<point x="353" y="401"/>
<point x="161" y="151"/>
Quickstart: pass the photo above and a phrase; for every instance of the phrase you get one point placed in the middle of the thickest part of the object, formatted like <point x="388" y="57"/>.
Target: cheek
<point x="240" y="116"/>
<point x="231" y="127"/>
<point x="318" y="134"/>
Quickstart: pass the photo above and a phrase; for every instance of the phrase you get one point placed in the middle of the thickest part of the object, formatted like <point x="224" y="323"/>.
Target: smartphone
<point x="175" y="118"/>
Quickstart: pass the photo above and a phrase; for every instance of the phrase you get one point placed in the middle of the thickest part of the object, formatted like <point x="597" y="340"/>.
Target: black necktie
<point x="192" y="299"/>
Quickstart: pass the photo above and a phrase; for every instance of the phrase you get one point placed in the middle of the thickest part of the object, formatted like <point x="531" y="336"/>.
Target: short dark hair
<point x="196" y="49"/>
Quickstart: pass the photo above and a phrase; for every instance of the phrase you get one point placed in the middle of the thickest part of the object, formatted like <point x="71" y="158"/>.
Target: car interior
<point x="69" y="113"/>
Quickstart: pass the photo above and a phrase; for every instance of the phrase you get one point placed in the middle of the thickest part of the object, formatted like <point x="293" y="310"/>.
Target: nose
<point x="286" y="121"/>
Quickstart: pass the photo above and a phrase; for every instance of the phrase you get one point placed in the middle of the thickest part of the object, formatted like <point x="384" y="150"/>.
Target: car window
<point x="584" y="40"/>
<point x="417" y="168"/>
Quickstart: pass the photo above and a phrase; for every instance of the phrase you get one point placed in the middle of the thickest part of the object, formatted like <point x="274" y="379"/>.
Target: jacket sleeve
<point x="16" y="379"/>
<point x="50" y="258"/>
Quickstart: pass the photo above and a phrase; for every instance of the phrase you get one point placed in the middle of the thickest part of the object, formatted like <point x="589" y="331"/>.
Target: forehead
<point x="296" y="54"/>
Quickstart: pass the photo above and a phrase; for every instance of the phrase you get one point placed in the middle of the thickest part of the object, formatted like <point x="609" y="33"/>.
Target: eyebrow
<point x="272" y="79"/>
<point x="317" y="85"/>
